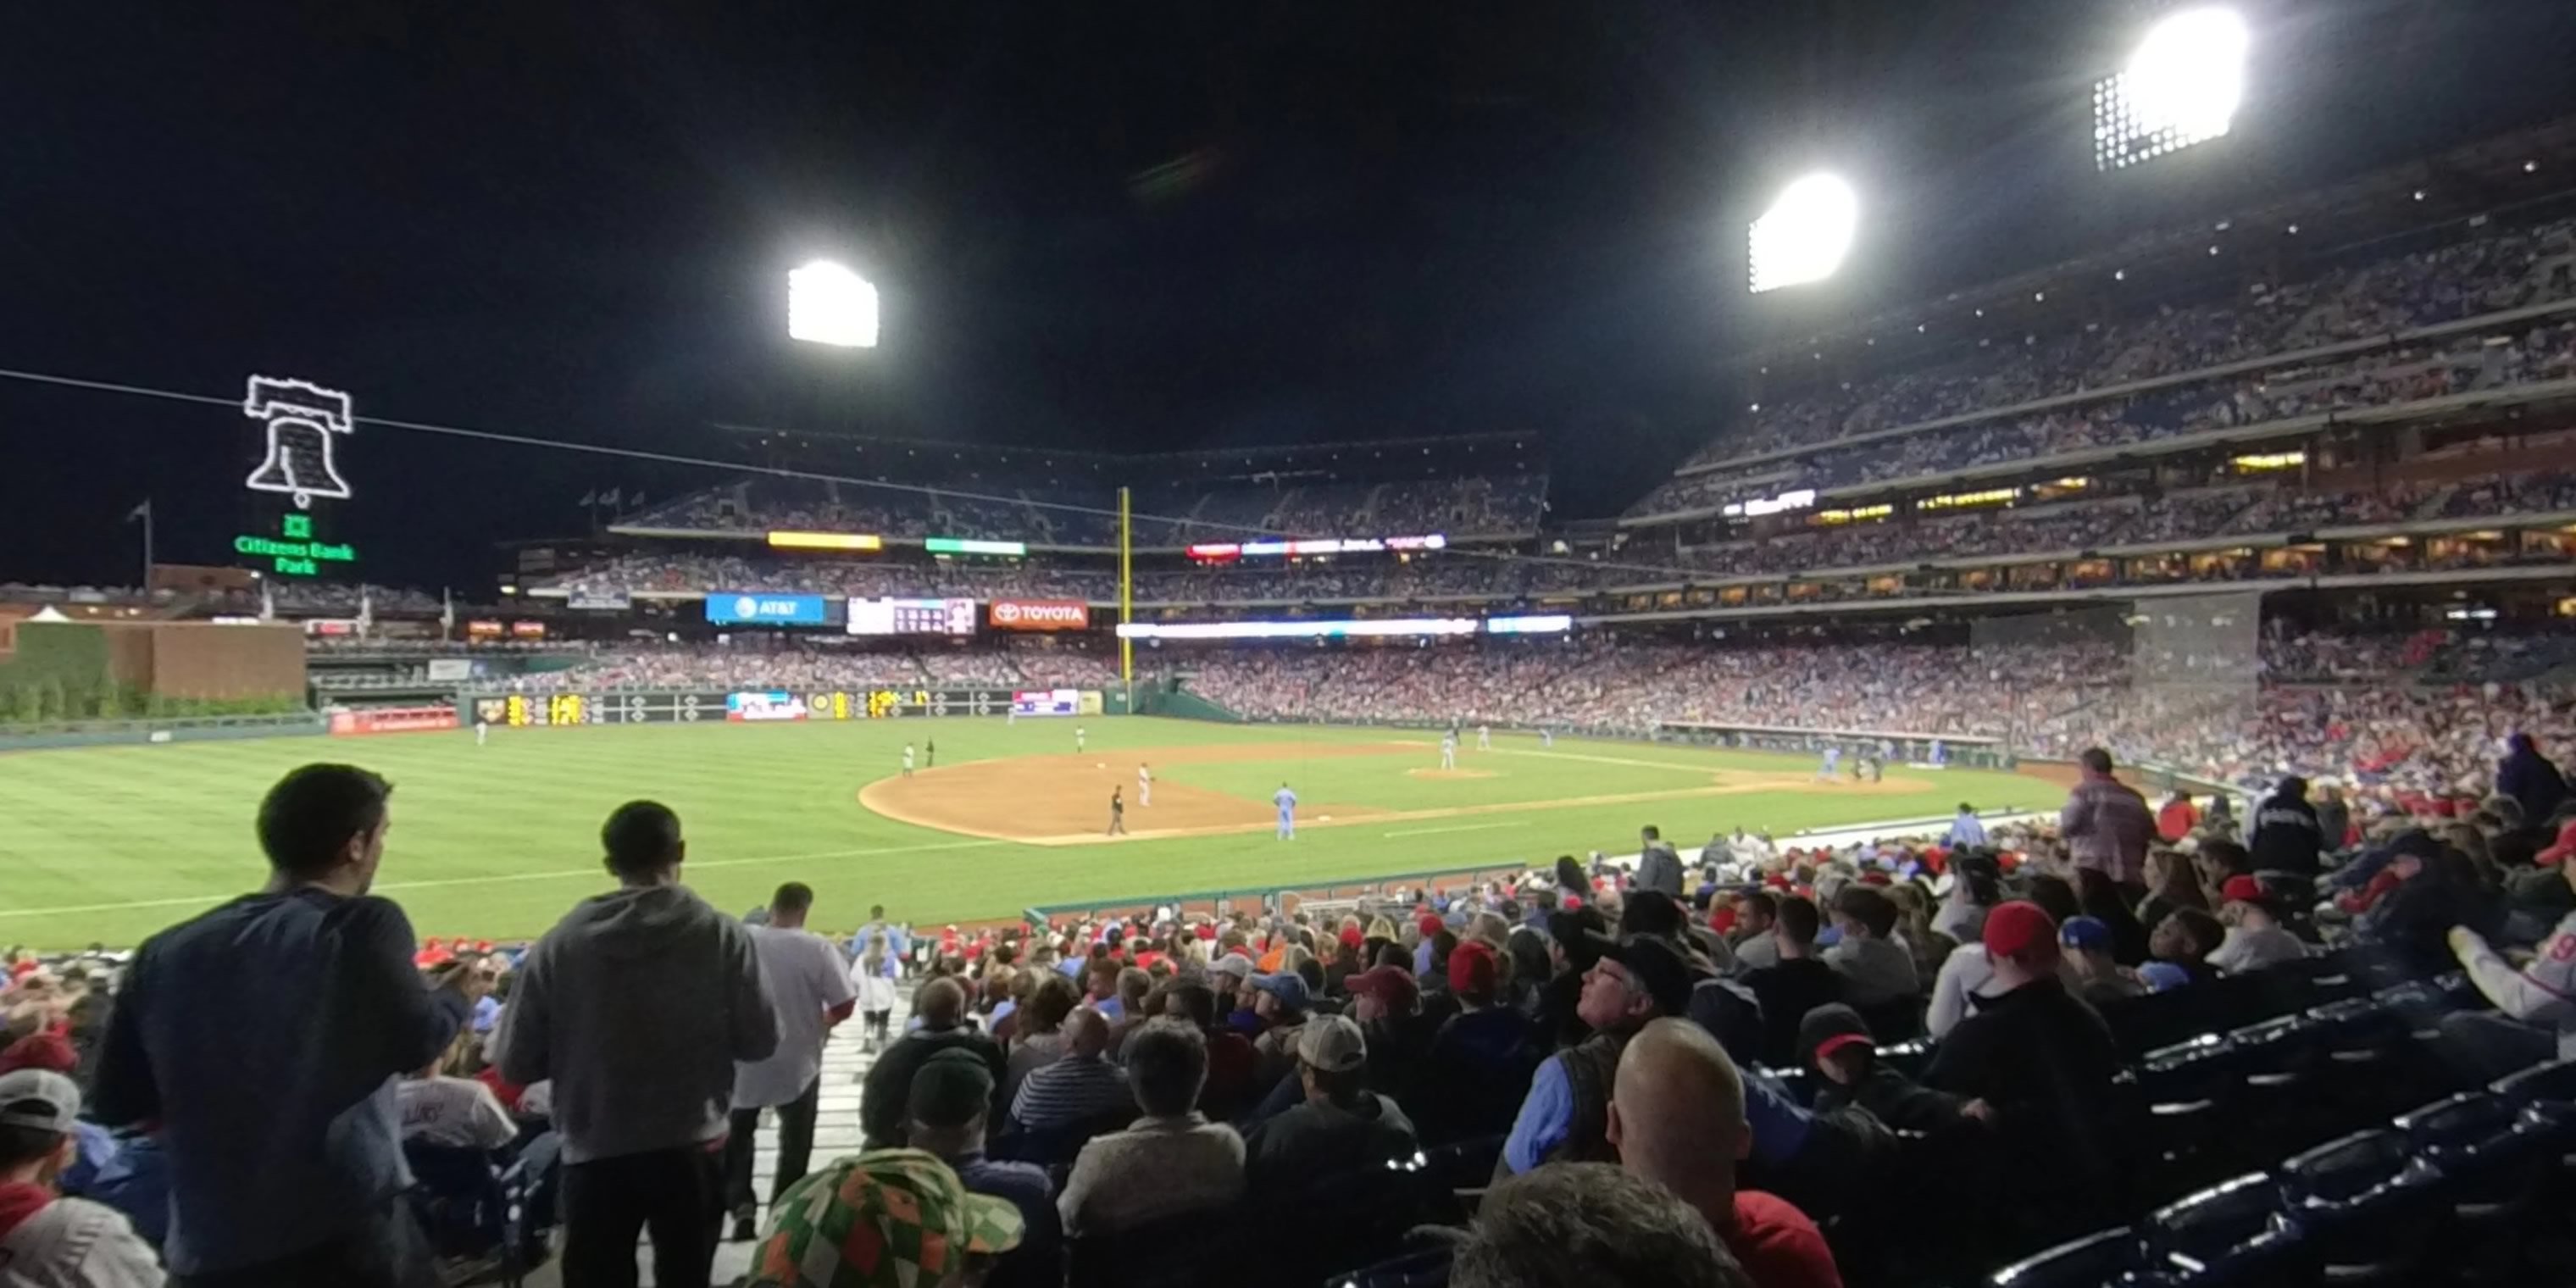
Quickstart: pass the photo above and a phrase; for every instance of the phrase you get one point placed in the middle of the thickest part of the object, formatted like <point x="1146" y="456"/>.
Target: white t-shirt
<point x="806" y="978"/>
<point x="457" y="1112"/>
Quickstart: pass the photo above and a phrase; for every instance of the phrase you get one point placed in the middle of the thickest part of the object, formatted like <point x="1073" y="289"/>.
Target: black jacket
<point x="2287" y="837"/>
<point x="887" y="1094"/>
<point x="2528" y="777"/>
<point x="2046" y="1062"/>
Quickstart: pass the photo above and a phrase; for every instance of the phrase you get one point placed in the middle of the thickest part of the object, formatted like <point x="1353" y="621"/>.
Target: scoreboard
<point x="676" y="706"/>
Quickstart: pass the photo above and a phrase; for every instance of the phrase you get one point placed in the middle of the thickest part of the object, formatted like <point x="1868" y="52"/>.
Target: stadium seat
<point x="2190" y="1091"/>
<point x="2493" y="1167"/>
<point x="2229" y="1234"/>
<point x="1185" y="1251"/>
<point x="2278" y="1061"/>
<point x="2104" y="1258"/>
<point x="2366" y="1205"/>
<point x="472" y="1204"/>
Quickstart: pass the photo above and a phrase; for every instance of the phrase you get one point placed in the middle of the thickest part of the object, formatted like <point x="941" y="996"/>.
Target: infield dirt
<point x="1064" y="800"/>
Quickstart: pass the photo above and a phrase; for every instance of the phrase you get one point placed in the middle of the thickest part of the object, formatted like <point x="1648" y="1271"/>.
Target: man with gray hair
<point x="1590" y="1224"/>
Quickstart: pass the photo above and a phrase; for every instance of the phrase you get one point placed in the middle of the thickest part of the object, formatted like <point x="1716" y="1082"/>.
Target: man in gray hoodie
<point x="637" y="1004"/>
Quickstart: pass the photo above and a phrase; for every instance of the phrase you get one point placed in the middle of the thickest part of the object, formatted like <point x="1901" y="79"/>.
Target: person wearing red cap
<point x="1481" y="1059"/>
<point x="2046" y="1062"/>
<point x="2254" y="936"/>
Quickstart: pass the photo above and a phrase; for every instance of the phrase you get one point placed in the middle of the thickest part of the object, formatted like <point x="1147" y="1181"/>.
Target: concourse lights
<point x="2181" y="87"/>
<point x="1805" y="234"/>
<point x="829" y="304"/>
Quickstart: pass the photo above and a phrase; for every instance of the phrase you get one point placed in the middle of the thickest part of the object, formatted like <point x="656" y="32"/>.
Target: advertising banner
<point x="1040" y="615"/>
<point x="446" y="669"/>
<point x="601" y="600"/>
<point x="346" y="720"/>
<point x="764" y="706"/>
<point x="1046" y="702"/>
<point x="754" y="608"/>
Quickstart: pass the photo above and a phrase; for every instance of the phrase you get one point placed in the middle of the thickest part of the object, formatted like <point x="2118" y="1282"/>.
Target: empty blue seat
<point x="2226" y="1235"/>
<point x="2366" y="1205"/>
<point x="2105" y="1257"/>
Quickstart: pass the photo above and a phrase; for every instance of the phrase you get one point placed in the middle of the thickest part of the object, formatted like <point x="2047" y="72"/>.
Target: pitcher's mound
<point x="1448" y="773"/>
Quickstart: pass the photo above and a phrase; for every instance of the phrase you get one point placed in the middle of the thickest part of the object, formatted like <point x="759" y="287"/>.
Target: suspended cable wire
<point x="815" y="476"/>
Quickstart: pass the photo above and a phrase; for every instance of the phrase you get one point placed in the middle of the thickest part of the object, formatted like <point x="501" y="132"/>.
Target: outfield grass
<point x="113" y="843"/>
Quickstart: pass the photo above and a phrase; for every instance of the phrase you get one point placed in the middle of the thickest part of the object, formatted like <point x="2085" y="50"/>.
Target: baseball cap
<point x="1392" y="986"/>
<point x="2091" y="934"/>
<point x="1656" y="967"/>
<point x="1289" y="989"/>
<point x="950" y="1088"/>
<point x="2562" y="850"/>
<point x="1832" y="1027"/>
<point x="39" y="1099"/>
<point x="44" y="1049"/>
<point x="1235" y="964"/>
<point x="2163" y="976"/>
<point x="1472" y="968"/>
<point x="2020" y="928"/>
<point x="1429" y="924"/>
<point x="2241" y="888"/>
<point x="889" y="1218"/>
<point x="1332" y="1043"/>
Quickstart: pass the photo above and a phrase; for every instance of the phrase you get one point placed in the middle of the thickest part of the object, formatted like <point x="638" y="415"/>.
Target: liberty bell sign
<point x="302" y="420"/>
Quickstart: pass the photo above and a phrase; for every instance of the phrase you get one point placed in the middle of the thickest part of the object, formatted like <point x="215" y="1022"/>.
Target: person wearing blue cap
<point x="2091" y="970"/>
<point x="1280" y="1003"/>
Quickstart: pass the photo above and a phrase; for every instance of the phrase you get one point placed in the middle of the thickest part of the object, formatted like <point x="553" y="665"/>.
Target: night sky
<point x="1121" y="226"/>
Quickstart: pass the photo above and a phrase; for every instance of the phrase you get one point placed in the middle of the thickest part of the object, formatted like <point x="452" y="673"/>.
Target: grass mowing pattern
<point x="112" y="843"/>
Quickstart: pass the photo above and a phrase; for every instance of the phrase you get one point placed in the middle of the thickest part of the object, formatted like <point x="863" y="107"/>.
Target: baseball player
<point x="1117" y="812"/>
<point x="482" y="732"/>
<point x="1077" y="739"/>
<point x="907" y="760"/>
<point x="1286" y="800"/>
<point x="1484" y="737"/>
<point x="1833" y="761"/>
<point x="1144" y="786"/>
<point x="1449" y="751"/>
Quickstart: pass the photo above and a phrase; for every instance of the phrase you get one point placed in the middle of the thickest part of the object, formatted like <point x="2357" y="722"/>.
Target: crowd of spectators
<point x="836" y="663"/>
<point x="1170" y="514"/>
<point x="2245" y="509"/>
<point x="2324" y="705"/>
<point x="2509" y="268"/>
<point x="1735" y="1068"/>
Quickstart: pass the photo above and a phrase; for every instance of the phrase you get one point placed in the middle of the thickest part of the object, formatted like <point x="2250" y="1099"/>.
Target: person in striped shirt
<point x="1081" y="1088"/>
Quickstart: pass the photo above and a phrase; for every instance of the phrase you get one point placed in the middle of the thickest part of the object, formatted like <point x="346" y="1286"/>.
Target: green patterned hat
<point x="889" y="1218"/>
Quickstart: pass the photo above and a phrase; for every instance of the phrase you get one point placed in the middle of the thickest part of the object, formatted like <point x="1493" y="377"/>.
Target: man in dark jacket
<point x="1659" y="866"/>
<point x="1839" y="1047"/>
<point x="2528" y="777"/>
<point x="941" y="1007"/>
<point x="637" y="1005"/>
<point x="263" y="1037"/>
<point x="2287" y="837"/>
<point x="1340" y="1128"/>
<point x="2047" y="1064"/>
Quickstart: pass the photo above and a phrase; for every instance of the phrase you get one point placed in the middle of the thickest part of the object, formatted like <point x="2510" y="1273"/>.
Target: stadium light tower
<point x="2181" y="87"/>
<point x="1805" y="234"/>
<point x="829" y="304"/>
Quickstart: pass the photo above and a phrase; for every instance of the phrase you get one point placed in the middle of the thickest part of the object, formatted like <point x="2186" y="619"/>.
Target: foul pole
<point x="1126" y="597"/>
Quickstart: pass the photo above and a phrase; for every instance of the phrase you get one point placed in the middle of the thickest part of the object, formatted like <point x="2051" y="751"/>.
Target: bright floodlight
<point x="2181" y="87"/>
<point x="829" y="304"/>
<point x="1805" y="234"/>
